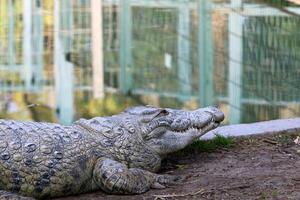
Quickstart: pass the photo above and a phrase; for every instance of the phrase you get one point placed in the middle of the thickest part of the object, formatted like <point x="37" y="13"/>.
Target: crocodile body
<point x="118" y="154"/>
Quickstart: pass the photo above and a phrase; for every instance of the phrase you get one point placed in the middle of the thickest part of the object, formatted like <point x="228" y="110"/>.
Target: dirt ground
<point x="264" y="167"/>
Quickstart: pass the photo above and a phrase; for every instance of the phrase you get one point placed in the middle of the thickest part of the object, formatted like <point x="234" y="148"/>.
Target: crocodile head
<point x="141" y="136"/>
<point x="167" y="130"/>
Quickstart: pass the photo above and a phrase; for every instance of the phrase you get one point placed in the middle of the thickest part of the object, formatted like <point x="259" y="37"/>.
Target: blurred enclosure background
<point x="62" y="60"/>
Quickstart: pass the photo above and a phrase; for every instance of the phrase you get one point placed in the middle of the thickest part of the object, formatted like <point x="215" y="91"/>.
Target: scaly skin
<point x="118" y="154"/>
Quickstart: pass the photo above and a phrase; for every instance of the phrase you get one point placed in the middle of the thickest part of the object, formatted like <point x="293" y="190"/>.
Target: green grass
<point x="212" y="145"/>
<point x="216" y="143"/>
<point x="284" y="140"/>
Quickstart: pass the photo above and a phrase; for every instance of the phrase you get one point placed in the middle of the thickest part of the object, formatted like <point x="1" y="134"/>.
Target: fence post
<point x="125" y="45"/>
<point x="38" y="44"/>
<point x="97" y="49"/>
<point x="11" y="29"/>
<point x="63" y="73"/>
<point x="183" y="53"/>
<point x="235" y="62"/>
<point x="27" y="43"/>
<point x="205" y="53"/>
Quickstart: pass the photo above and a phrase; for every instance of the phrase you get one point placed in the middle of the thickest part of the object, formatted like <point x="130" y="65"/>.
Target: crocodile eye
<point x="162" y="113"/>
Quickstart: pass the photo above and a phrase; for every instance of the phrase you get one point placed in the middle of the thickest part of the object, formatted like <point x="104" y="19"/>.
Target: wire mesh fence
<point x="240" y="55"/>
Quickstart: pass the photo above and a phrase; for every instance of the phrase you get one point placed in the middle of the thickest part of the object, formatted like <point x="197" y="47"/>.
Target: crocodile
<point x="119" y="154"/>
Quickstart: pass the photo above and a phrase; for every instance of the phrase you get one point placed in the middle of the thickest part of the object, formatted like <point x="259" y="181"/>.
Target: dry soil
<point x="264" y="167"/>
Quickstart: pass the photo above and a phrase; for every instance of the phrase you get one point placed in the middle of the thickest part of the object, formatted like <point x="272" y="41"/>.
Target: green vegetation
<point x="110" y="105"/>
<point x="216" y="143"/>
<point x="268" y="195"/>
<point x="285" y="140"/>
<point x="38" y="110"/>
<point x="280" y="3"/>
<point x="212" y="145"/>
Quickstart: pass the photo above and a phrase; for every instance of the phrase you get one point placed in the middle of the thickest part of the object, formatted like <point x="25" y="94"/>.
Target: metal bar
<point x="235" y="63"/>
<point x="205" y="56"/>
<point x="255" y="10"/>
<point x="125" y="45"/>
<point x="11" y="34"/>
<point x="57" y="48"/>
<point x="149" y="3"/>
<point x="63" y="72"/>
<point x="184" y="66"/>
<point x="162" y="94"/>
<point x="66" y="27"/>
<point x="97" y="49"/>
<point x="66" y="106"/>
<point x="13" y="67"/>
<point x="248" y="9"/>
<point x="57" y="55"/>
<point x="27" y="43"/>
<point x="38" y="30"/>
<point x="295" y="10"/>
<point x="260" y="101"/>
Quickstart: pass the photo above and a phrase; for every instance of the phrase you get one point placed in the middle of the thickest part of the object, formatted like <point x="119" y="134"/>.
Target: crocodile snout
<point x="217" y="114"/>
<point x="183" y="120"/>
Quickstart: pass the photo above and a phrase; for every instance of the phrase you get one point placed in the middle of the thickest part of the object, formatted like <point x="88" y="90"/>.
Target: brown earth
<point x="264" y="167"/>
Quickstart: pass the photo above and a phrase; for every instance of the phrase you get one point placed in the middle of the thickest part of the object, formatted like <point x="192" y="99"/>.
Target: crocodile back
<point x="44" y="159"/>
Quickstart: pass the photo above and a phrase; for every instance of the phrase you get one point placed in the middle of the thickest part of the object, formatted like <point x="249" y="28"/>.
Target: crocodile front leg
<point x="114" y="177"/>
<point x="12" y="196"/>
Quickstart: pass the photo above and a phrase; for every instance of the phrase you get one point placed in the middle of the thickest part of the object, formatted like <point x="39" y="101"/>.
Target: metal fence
<point x="241" y="55"/>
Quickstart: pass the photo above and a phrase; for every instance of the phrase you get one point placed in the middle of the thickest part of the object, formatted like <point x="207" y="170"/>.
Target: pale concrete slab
<point x="266" y="127"/>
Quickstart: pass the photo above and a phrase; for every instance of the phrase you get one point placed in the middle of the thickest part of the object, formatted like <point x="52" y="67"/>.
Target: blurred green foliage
<point x="111" y="104"/>
<point x="38" y="110"/>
